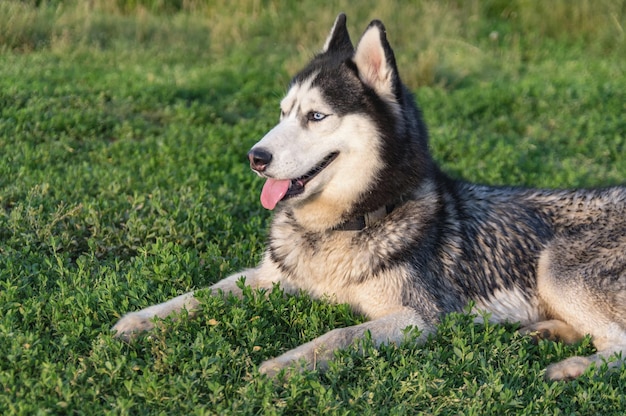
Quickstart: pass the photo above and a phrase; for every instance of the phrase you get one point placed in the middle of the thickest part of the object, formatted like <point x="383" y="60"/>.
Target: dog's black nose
<point x="259" y="159"/>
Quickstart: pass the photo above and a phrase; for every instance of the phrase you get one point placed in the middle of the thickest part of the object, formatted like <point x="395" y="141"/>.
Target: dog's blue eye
<point x="315" y="116"/>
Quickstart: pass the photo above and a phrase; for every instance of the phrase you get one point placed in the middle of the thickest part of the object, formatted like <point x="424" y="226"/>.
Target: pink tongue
<point x="273" y="191"/>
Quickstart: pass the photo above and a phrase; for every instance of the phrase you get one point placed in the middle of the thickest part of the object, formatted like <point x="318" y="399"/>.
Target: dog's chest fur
<point x="360" y="268"/>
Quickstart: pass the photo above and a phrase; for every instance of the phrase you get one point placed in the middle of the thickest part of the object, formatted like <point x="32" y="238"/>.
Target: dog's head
<point x="341" y="125"/>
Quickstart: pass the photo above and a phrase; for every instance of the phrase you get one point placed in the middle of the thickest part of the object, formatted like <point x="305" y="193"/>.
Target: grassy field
<point x="123" y="182"/>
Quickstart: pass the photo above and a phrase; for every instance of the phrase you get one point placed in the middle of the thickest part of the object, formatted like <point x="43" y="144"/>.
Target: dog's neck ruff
<point x="363" y="221"/>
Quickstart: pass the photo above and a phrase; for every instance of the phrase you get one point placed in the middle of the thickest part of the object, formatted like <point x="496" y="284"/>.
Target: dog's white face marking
<point x="296" y="143"/>
<point x="308" y="132"/>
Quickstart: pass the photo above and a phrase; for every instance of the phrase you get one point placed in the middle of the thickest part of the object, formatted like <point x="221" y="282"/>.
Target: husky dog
<point x="365" y="217"/>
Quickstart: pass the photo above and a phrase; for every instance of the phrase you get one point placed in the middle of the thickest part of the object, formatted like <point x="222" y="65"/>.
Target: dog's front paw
<point x="275" y="366"/>
<point x="133" y="324"/>
<point x="270" y="368"/>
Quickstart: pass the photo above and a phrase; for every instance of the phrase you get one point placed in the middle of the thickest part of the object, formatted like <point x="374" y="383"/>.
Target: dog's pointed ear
<point x="375" y="61"/>
<point x="339" y="39"/>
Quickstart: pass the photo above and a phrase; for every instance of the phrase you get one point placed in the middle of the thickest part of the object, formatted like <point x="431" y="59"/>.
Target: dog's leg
<point x="133" y="323"/>
<point x="582" y="281"/>
<point x="316" y="353"/>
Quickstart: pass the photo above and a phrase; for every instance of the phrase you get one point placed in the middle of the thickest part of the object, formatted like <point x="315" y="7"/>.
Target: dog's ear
<point x="339" y="38"/>
<point x="375" y="61"/>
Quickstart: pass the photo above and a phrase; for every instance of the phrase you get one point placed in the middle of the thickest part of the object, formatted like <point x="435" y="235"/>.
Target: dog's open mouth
<point x="296" y="186"/>
<point x="276" y="190"/>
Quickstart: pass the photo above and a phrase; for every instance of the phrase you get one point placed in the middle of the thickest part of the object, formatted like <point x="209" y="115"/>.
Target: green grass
<point x="123" y="182"/>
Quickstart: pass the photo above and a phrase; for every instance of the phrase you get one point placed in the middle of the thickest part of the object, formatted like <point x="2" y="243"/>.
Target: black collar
<point x="362" y="221"/>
